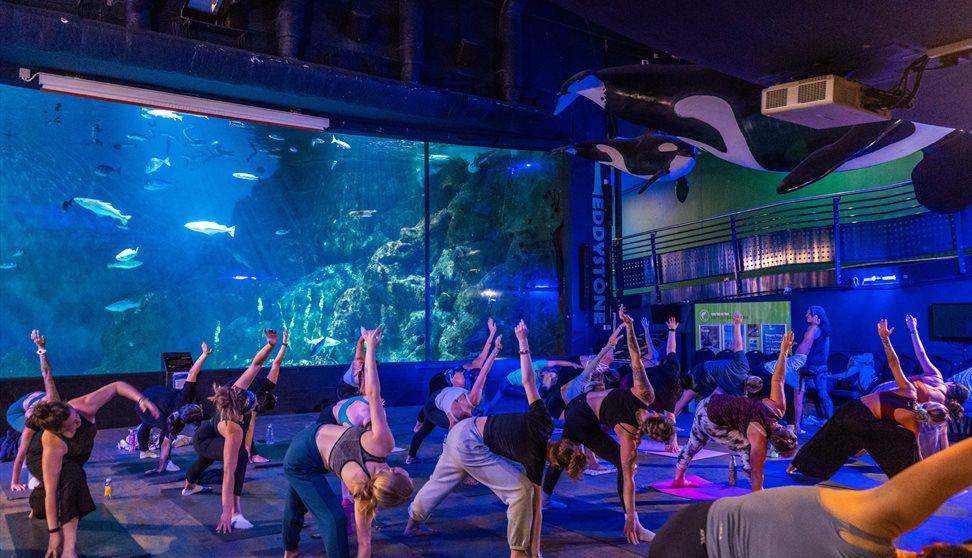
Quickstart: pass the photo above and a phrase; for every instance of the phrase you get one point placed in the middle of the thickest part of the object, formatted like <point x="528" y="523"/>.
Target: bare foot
<point x="791" y="470"/>
<point x="259" y="459"/>
<point x="683" y="484"/>
<point x="419" y="531"/>
<point x="645" y="535"/>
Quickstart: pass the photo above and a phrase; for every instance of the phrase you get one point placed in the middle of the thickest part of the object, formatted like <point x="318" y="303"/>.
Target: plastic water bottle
<point x="108" y="488"/>
<point x="132" y="440"/>
<point x="732" y="470"/>
<point x="269" y="434"/>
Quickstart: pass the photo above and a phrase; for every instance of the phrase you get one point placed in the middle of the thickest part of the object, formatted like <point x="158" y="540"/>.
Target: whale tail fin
<point x="943" y="176"/>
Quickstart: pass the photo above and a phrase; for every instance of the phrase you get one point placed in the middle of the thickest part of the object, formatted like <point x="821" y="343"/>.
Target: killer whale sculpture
<point x="650" y="156"/>
<point x="721" y="115"/>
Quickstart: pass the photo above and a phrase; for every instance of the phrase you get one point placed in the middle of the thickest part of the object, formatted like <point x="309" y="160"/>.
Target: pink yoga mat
<point x="658" y="448"/>
<point x="704" y="490"/>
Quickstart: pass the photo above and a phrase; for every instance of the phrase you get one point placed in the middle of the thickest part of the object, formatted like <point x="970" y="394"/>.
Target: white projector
<point x="821" y="102"/>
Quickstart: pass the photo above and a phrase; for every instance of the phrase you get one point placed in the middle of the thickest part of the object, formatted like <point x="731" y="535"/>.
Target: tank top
<point x="620" y="406"/>
<point x="890" y="401"/>
<point x="735" y="412"/>
<point x="79" y="446"/>
<point x="348" y="450"/>
<point x="819" y="351"/>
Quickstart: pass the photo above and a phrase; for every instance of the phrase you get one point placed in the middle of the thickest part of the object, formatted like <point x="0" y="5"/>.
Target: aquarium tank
<point x="127" y="231"/>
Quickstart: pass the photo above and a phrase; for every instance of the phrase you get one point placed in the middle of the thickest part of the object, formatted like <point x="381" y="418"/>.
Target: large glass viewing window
<point x="127" y="231"/>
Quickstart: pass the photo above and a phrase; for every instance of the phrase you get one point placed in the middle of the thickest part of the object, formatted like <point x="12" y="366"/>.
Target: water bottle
<point x="108" y="488"/>
<point x="732" y="470"/>
<point x="269" y="434"/>
<point x="132" y="440"/>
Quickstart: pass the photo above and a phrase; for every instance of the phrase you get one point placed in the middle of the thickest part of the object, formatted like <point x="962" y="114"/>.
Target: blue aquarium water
<point x="127" y="231"/>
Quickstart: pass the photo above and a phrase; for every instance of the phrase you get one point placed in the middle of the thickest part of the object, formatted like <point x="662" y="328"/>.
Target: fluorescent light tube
<point x="179" y="103"/>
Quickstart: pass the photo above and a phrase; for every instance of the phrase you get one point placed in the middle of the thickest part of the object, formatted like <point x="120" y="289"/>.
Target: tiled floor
<point x="472" y="522"/>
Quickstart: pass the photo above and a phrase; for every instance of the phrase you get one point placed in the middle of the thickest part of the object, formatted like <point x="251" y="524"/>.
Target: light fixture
<point x="172" y="101"/>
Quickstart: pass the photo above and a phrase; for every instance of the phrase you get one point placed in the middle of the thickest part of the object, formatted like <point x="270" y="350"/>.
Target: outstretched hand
<point x="737" y="318"/>
<point x="491" y="325"/>
<point x="38" y="339"/>
<point x="205" y="349"/>
<point x="617" y="335"/>
<point x="146" y="405"/>
<point x="522" y="333"/>
<point x="644" y="323"/>
<point x="373" y="337"/>
<point x="628" y="320"/>
<point x="883" y="331"/>
<point x="672" y="323"/>
<point x="271" y="337"/>
<point x="911" y="322"/>
<point x="786" y="342"/>
<point x="498" y="344"/>
<point x="286" y="336"/>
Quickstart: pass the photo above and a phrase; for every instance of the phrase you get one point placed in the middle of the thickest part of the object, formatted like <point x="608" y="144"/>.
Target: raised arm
<point x="479" y="360"/>
<point x="779" y="373"/>
<point x="88" y="405"/>
<point x="278" y="360"/>
<point x="642" y="386"/>
<point x="893" y="362"/>
<point x="526" y="365"/>
<point x="204" y="352"/>
<point x="45" y="366"/>
<point x="737" y="340"/>
<point x="359" y="361"/>
<point x="244" y="381"/>
<point x="562" y="363"/>
<point x="608" y="348"/>
<point x="672" y="324"/>
<point x="476" y="393"/>
<point x="382" y="434"/>
<point x="926" y="364"/>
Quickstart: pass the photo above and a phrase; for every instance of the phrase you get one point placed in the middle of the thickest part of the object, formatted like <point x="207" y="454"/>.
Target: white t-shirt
<point x="447" y="396"/>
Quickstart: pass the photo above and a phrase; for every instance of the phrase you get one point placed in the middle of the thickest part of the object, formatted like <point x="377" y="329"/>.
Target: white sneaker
<point x="148" y="455"/>
<point x="32" y="482"/>
<point x="240" y="522"/>
<point x="194" y="490"/>
<point x="172" y="467"/>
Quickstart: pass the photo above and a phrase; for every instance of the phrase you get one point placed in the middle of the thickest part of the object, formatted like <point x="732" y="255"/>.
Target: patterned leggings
<point x="704" y="429"/>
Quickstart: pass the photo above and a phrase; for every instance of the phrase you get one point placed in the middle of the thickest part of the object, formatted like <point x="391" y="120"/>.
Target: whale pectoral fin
<point x="943" y="177"/>
<point x="681" y="189"/>
<point x="653" y="178"/>
<point x="824" y="161"/>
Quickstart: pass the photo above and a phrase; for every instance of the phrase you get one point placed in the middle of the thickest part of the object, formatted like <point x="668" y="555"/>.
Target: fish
<point x="8" y="265"/>
<point x="317" y="141"/>
<point x="244" y="277"/>
<point x="123" y="145"/>
<point x="210" y="228"/>
<point x="321" y="343"/>
<point x="239" y="124"/>
<point x="126" y="264"/>
<point x="437" y="157"/>
<point x="105" y="170"/>
<point x="282" y="232"/>
<point x="155" y="164"/>
<point x="155" y="184"/>
<point x="333" y="164"/>
<point x="341" y="144"/>
<point x="17" y="254"/>
<point x="162" y="113"/>
<point x="136" y="137"/>
<point x="98" y="207"/>
<point x="126" y="254"/>
<point x="275" y="137"/>
<point x="246" y="176"/>
<point x="125" y="305"/>
<point x="359" y="213"/>
<point x="293" y="150"/>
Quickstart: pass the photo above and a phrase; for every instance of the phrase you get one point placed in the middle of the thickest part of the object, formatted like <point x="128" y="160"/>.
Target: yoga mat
<point x="206" y="509"/>
<point x="658" y="448"/>
<point x="596" y="473"/>
<point x="704" y="491"/>
<point x="6" y="473"/>
<point x="99" y="535"/>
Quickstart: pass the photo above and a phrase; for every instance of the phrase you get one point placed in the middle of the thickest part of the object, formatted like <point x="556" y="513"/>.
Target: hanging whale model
<point x="654" y="157"/>
<point x="721" y="115"/>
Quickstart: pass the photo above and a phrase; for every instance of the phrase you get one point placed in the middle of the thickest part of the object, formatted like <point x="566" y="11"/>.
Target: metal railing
<point x="818" y="235"/>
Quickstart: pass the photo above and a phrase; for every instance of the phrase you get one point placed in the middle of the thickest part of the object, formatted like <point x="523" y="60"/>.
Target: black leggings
<point x="187" y="395"/>
<point x="683" y="535"/>
<point x="853" y="428"/>
<point x="582" y="426"/>
<point x="431" y="416"/>
<point x="209" y="446"/>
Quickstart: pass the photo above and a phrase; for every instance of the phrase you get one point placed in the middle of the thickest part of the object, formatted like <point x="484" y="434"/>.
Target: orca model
<point x="721" y="115"/>
<point x="650" y="156"/>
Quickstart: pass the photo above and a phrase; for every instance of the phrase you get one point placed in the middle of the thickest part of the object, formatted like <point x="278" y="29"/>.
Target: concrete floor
<point x="473" y="522"/>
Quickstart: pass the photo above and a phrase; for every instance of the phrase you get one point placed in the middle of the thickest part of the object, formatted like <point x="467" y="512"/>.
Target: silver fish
<point x="105" y="170"/>
<point x="155" y="184"/>
<point x="124" y="305"/>
<point x="341" y="144"/>
<point x="246" y="176"/>
<point x="155" y="164"/>
<point x="282" y="232"/>
<point x="210" y="228"/>
<point x="98" y="207"/>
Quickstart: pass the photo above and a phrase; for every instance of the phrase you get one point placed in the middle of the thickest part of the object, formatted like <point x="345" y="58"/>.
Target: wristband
<point x="526" y="352"/>
<point x="286" y="344"/>
<point x="42" y="351"/>
<point x="54" y="530"/>
<point x="670" y="329"/>
<point x="140" y="400"/>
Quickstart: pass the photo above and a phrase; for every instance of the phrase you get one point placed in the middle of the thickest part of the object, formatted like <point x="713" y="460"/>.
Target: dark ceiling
<point x="769" y="42"/>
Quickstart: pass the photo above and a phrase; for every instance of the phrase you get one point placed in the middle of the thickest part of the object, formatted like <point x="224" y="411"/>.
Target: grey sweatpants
<point x="465" y="453"/>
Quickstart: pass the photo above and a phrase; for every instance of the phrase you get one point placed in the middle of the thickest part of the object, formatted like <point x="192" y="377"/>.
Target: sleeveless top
<point x="819" y="351"/>
<point x="620" y="406"/>
<point x="348" y="449"/>
<point x="750" y="525"/>
<point x="342" y="414"/>
<point x="79" y="446"/>
<point x="890" y="401"/>
<point x="735" y="412"/>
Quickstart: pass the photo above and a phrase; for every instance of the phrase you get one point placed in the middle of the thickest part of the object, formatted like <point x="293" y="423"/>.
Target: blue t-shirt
<point x="516" y="377"/>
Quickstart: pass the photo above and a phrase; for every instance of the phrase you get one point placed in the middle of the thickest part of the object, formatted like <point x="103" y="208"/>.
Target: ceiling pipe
<point x="289" y="26"/>
<point x="138" y="14"/>
<point x="411" y="32"/>
<point x="510" y="46"/>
